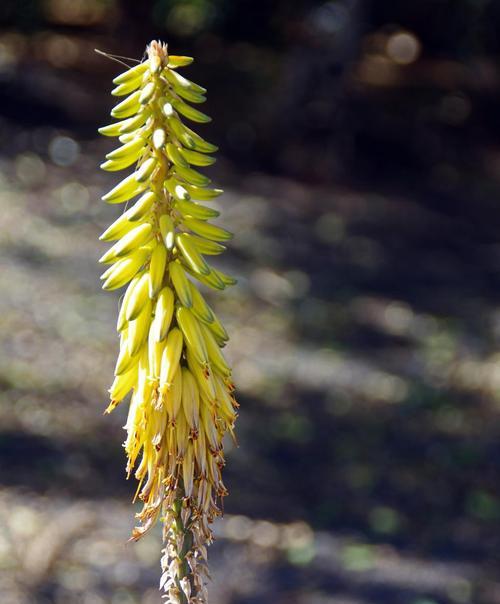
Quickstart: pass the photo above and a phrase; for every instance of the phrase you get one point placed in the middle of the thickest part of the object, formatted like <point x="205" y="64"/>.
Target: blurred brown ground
<point x="361" y="164"/>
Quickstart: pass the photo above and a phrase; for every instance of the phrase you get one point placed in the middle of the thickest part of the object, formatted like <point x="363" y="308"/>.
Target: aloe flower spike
<point x="170" y="359"/>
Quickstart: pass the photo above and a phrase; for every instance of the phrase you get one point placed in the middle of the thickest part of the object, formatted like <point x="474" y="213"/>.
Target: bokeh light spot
<point x="238" y="528"/>
<point x="76" y="12"/>
<point x="30" y="169"/>
<point x="385" y="520"/>
<point x="358" y="557"/>
<point x="330" y="228"/>
<point x="398" y="318"/>
<point x="63" y="150"/>
<point x="187" y="18"/>
<point x="483" y="506"/>
<point x="61" y="51"/>
<point x="74" y="197"/>
<point x="330" y="17"/>
<point x="265" y="534"/>
<point x="403" y="47"/>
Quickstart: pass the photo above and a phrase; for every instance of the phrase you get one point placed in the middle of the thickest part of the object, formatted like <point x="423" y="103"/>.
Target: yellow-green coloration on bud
<point x="145" y="171"/>
<point x="167" y="230"/>
<point x="127" y="107"/>
<point x="195" y="210"/>
<point x="191" y="255"/>
<point x="170" y="358"/>
<point x="141" y="207"/>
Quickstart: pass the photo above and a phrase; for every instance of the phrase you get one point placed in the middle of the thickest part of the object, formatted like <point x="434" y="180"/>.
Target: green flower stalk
<point x="170" y="357"/>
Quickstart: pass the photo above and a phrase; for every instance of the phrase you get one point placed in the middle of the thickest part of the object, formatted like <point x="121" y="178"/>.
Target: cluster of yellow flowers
<point x="182" y="401"/>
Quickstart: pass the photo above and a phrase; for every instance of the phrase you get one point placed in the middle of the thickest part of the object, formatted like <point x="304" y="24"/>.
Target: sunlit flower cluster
<point x="170" y="357"/>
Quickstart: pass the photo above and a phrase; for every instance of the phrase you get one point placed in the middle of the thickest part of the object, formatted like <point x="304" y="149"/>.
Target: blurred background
<point x="360" y="151"/>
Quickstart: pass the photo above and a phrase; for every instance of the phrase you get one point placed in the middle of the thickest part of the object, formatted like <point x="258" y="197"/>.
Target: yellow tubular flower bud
<point x="215" y="356"/>
<point x="134" y="73"/>
<point x="211" y="280"/>
<point x="122" y="319"/>
<point x="133" y="148"/>
<point x="122" y="385"/>
<point x="127" y="137"/>
<point x="218" y="330"/>
<point x="138" y="298"/>
<point x="178" y="61"/>
<point x="112" y="129"/>
<point x="192" y="176"/>
<point x="167" y="230"/>
<point x="131" y="124"/>
<point x="173" y="399"/>
<point x="155" y="350"/>
<point x="200" y="144"/>
<point x="147" y="93"/>
<point x="170" y="359"/>
<point x="181" y="83"/>
<point x="190" y="401"/>
<point x="209" y="231"/>
<point x="130" y="241"/>
<point x="192" y="334"/>
<point x="127" y="107"/>
<point x="180" y="283"/>
<point x="138" y="329"/>
<point x="178" y="129"/>
<point x="123" y="271"/>
<point x="209" y="248"/>
<point x="141" y="207"/>
<point x="116" y="165"/>
<point x="191" y="254"/>
<point x="190" y="112"/>
<point x="226" y="279"/>
<point x="157" y="270"/>
<point x="176" y="155"/>
<point x="201" y="194"/>
<point x="164" y="311"/>
<point x="124" y="190"/>
<point x="176" y="190"/>
<point x="195" y="210"/>
<point x="200" y="308"/>
<point x="118" y="228"/>
<point x="182" y="401"/>
<point x="125" y="360"/>
<point x="203" y="377"/>
<point x="146" y="169"/>
<point x="191" y="96"/>
<point x="197" y="159"/>
<point x="127" y="88"/>
<point x="208" y="424"/>
<point x="187" y="477"/>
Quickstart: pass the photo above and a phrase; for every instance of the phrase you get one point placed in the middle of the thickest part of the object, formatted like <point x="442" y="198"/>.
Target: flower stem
<point x="178" y="578"/>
